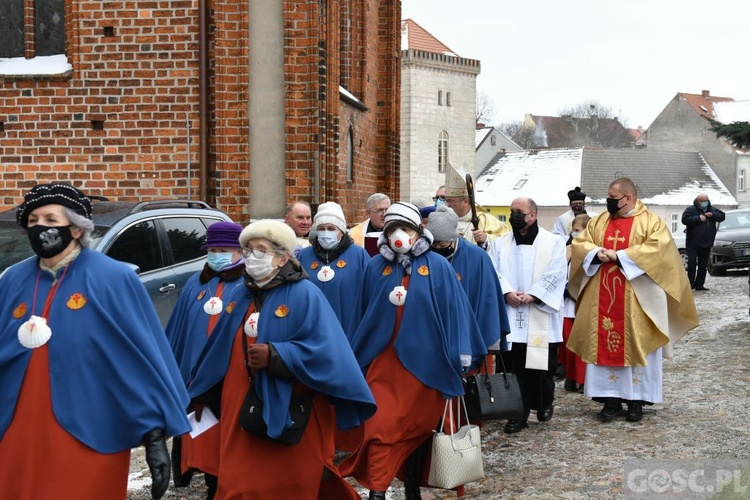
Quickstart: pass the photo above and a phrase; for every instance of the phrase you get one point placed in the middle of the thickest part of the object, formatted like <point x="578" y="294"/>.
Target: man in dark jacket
<point x="700" y="220"/>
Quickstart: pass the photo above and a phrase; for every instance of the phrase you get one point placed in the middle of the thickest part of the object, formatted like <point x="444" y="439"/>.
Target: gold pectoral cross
<point x="615" y="238"/>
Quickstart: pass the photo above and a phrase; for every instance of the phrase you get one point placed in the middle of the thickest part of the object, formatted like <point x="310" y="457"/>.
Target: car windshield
<point x="736" y="220"/>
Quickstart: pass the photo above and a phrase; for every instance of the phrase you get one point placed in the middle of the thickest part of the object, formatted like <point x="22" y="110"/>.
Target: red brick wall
<point x="142" y="83"/>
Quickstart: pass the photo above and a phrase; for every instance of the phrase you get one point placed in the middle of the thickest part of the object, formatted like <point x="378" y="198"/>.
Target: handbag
<point x="251" y="412"/>
<point x="457" y="457"/>
<point x="251" y="417"/>
<point x="494" y="396"/>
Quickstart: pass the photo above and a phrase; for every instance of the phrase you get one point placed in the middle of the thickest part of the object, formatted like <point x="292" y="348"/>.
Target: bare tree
<point x="485" y="108"/>
<point x="518" y="133"/>
<point x="588" y="109"/>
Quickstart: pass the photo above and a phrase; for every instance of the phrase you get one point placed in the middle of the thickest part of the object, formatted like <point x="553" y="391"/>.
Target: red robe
<point x="39" y="459"/>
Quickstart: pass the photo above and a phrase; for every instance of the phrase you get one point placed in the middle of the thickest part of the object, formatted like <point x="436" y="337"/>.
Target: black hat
<point x="53" y="194"/>
<point x="576" y="194"/>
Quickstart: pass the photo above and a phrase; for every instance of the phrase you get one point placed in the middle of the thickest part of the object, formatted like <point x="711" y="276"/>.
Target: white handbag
<point x="457" y="457"/>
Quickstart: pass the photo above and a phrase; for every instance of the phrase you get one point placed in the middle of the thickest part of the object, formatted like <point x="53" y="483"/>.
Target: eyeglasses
<point x="256" y="252"/>
<point x="436" y="198"/>
<point x="382" y="211"/>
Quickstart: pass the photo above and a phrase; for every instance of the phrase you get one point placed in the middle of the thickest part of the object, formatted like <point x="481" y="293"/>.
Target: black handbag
<point x="495" y="396"/>
<point x="251" y="417"/>
<point x="251" y="412"/>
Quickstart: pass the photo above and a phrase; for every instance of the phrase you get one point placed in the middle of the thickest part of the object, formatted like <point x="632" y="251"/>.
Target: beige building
<point x="438" y="111"/>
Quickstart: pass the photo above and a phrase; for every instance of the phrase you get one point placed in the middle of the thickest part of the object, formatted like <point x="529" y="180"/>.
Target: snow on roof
<point x="545" y="175"/>
<point x="480" y="135"/>
<point x="42" y="65"/>
<point x="685" y="194"/>
<point x="733" y="111"/>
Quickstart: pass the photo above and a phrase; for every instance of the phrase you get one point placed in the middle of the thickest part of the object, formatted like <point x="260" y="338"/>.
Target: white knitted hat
<point x="330" y="213"/>
<point x="272" y="230"/>
<point x="404" y="214"/>
<point x="443" y="224"/>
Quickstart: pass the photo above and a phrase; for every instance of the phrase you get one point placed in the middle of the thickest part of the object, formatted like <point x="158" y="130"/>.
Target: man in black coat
<point x="700" y="220"/>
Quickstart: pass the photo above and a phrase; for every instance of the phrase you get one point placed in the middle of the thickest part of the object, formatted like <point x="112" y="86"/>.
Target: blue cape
<point x="113" y="377"/>
<point x="481" y="284"/>
<point x="437" y="324"/>
<point x="188" y="325"/>
<point x="341" y="291"/>
<point x="297" y="319"/>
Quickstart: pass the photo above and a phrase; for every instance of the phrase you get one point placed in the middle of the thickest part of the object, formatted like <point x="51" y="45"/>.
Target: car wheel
<point x="713" y="271"/>
<point x="684" y="257"/>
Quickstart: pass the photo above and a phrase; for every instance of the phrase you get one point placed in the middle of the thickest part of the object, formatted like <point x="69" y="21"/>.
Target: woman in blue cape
<point x="281" y="336"/>
<point x="416" y="336"/>
<point x="86" y="370"/>
<point x="194" y="317"/>
<point x="334" y="263"/>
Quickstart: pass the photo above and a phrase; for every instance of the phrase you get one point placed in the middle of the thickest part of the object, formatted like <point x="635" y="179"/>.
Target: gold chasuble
<point x="618" y="321"/>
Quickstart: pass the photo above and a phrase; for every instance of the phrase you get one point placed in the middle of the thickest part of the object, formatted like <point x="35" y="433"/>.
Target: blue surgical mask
<point x="328" y="239"/>
<point x="704" y="205"/>
<point x="219" y="260"/>
<point x="440" y="202"/>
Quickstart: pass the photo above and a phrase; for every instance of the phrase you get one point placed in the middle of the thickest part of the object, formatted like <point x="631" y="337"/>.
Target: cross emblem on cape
<point x="550" y="282"/>
<point x="520" y="320"/>
<point x="616" y="238"/>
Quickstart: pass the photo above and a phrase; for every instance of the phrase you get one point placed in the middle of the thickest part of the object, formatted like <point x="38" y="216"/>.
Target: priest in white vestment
<point x="532" y="267"/>
<point x="633" y="298"/>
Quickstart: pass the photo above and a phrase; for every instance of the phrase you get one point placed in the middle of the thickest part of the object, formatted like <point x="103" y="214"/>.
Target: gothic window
<point x="40" y="33"/>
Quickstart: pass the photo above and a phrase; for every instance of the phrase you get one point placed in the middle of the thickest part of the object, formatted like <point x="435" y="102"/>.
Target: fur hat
<point x="402" y="213"/>
<point x="443" y="224"/>
<point x="53" y="194"/>
<point x="223" y="234"/>
<point x="330" y="213"/>
<point x="576" y="194"/>
<point x="275" y="231"/>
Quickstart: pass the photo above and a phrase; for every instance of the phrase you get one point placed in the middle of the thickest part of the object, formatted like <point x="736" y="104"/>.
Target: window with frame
<point x="447" y="98"/>
<point x="443" y="152"/>
<point x="741" y="180"/>
<point x="31" y="28"/>
<point x="440" y="97"/>
<point x="675" y="224"/>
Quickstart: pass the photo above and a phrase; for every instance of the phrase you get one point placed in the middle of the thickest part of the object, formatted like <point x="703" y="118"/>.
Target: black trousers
<point x="537" y="386"/>
<point x="697" y="257"/>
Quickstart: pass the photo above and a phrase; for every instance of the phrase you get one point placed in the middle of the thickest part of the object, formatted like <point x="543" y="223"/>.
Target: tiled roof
<point x="703" y="103"/>
<point x="546" y="175"/>
<point x="415" y="37"/>
<point x="569" y="132"/>
<point x="662" y="177"/>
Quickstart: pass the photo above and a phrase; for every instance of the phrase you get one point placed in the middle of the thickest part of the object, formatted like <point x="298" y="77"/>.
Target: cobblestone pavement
<point x="574" y="456"/>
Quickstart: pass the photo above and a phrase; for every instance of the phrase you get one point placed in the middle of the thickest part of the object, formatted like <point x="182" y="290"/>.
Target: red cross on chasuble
<point x="612" y="307"/>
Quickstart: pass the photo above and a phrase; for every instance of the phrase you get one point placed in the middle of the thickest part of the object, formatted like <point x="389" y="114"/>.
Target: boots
<point x="376" y="495"/>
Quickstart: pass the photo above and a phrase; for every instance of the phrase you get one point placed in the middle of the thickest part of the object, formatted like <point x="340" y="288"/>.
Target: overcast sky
<point x="541" y="56"/>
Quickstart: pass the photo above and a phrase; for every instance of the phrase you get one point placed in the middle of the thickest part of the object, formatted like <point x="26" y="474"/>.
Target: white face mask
<point x="328" y="239"/>
<point x="400" y="241"/>
<point x="575" y="234"/>
<point x="259" y="268"/>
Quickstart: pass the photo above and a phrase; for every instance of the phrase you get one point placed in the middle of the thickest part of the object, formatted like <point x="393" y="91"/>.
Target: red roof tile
<point x="703" y="103"/>
<point x="418" y="38"/>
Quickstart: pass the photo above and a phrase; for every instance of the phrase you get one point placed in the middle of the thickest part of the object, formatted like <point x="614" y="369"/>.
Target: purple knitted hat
<point x="223" y="234"/>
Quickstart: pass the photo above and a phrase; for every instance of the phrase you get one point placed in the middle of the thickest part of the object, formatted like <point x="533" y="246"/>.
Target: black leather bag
<point x="251" y="417"/>
<point x="495" y="396"/>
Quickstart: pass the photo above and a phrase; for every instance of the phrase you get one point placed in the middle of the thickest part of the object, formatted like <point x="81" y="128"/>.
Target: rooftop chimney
<point x="706" y="94"/>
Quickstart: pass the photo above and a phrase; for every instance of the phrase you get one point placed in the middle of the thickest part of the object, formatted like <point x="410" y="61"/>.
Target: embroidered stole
<point x="612" y="308"/>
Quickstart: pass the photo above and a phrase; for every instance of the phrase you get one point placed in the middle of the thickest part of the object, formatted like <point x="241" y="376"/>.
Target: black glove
<point x="157" y="458"/>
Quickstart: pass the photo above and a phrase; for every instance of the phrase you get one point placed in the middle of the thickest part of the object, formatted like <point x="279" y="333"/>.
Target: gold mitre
<point x="455" y="182"/>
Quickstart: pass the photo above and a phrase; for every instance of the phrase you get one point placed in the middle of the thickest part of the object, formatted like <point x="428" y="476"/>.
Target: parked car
<point x="731" y="248"/>
<point x="679" y="241"/>
<point x="161" y="239"/>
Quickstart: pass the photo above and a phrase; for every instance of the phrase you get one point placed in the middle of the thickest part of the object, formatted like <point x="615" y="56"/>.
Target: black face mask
<point x="445" y="252"/>
<point x="578" y="209"/>
<point x="613" y="205"/>
<point x="49" y="241"/>
<point x="517" y="220"/>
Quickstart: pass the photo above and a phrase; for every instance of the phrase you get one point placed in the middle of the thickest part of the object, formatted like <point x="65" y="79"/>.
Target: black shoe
<point x="570" y="385"/>
<point x="545" y="414"/>
<point x="559" y="373"/>
<point x="611" y="409"/>
<point x="411" y="490"/>
<point x="580" y="389"/>
<point x="635" y="412"/>
<point x="514" y="426"/>
<point x="212" y="484"/>
<point x="701" y="289"/>
<point x="376" y="495"/>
